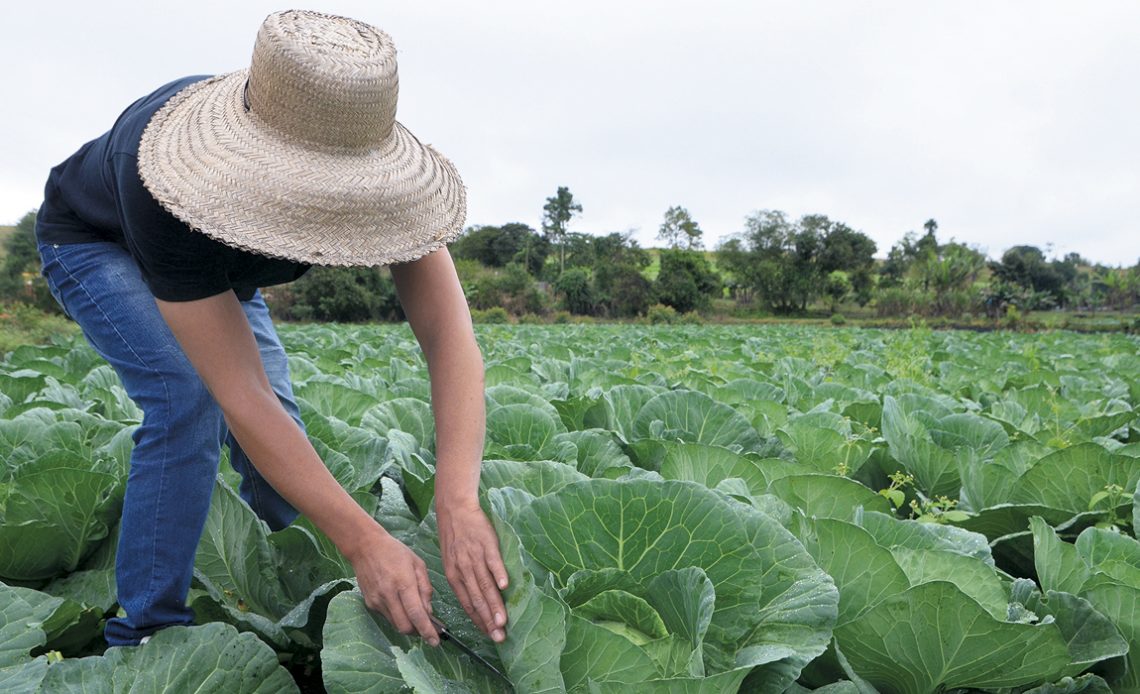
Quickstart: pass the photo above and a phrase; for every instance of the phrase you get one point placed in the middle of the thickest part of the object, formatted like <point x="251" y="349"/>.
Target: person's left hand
<point x="474" y="566"/>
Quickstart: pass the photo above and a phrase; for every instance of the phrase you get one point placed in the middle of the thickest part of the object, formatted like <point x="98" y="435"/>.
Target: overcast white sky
<point x="1007" y="122"/>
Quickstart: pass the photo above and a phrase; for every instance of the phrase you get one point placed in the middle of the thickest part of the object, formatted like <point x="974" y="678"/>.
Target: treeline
<point x="775" y="265"/>
<point x="790" y="265"/>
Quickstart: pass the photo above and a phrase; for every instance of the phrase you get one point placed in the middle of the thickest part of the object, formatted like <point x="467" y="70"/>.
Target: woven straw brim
<point x="218" y="168"/>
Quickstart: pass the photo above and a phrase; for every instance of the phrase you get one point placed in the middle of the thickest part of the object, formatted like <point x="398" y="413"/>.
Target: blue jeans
<point x="177" y="446"/>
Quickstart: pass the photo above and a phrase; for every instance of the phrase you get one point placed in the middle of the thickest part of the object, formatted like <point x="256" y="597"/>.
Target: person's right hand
<point x="394" y="582"/>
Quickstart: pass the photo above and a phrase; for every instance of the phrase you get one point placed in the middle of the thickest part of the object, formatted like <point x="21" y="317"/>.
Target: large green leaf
<point x="709" y="465"/>
<point x="596" y="654"/>
<point x="1059" y="565"/>
<point x="537" y="626"/>
<point x="1069" y="478"/>
<point x="1090" y="636"/>
<point x="334" y="400"/>
<point x="935" y="469"/>
<point x="356" y="456"/>
<point x="818" y="443"/>
<point x="891" y="532"/>
<point x="644" y="527"/>
<point x="277" y="585"/>
<point x="409" y="415"/>
<point x="697" y="418"/>
<point x="363" y="654"/>
<point x="21" y="631"/>
<point x="234" y="553"/>
<point x="828" y="496"/>
<point x="972" y="576"/>
<point x="538" y="477"/>
<point x="54" y="512"/>
<point x="932" y="637"/>
<point x="522" y="432"/>
<point x="1121" y="604"/>
<point x="623" y="402"/>
<point x="596" y="452"/>
<point x="864" y="572"/>
<point x="210" y="658"/>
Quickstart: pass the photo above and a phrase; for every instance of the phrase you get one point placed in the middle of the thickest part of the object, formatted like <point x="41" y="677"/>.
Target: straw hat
<point x="300" y="156"/>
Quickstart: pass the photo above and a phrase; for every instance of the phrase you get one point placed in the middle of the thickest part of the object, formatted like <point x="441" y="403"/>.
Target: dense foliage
<point x="20" y="280"/>
<point x="776" y="264"/>
<point x="702" y="509"/>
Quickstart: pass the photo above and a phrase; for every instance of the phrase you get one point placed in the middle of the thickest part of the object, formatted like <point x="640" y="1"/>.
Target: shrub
<point x="339" y="294"/>
<point x="659" y="314"/>
<point x="1013" y="318"/>
<point x="685" y="281"/>
<point x="511" y="287"/>
<point x="495" y="314"/>
<point x="838" y="319"/>
<point x="901" y="301"/>
<point x="561" y="317"/>
<point x="577" y="291"/>
<point x="622" y="291"/>
<point x="691" y="318"/>
<point x="22" y="324"/>
<point x="957" y="302"/>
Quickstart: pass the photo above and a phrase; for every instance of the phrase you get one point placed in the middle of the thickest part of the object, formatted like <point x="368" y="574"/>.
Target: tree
<point x="910" y="250"/>
<point x="342" y="294"/>
<point x="1026" y="266"/>
<point x="787" y="264"/>
<point x="685" y="281"/>
<point x="622" y="291"/>
<point x="498" y="246"/>
<point x="853" y="253"/>
<point x="837" y="288"/>
<point x="735" y="261"/>
<point x="949" y="274"/>
<point x="557" y="213"/>
<point x="679" y="230"/>
<point x="19" y="272"/>
<point x="783" y="258"/>
<point x="577" y="291"/>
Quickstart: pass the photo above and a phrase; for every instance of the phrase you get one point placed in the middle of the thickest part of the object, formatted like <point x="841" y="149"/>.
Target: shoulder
<point x="127" y="130"/>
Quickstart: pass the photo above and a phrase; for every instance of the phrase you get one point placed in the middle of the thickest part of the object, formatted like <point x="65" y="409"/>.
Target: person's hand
<point x="394" y="582"/>
<point x="473" y="565"/>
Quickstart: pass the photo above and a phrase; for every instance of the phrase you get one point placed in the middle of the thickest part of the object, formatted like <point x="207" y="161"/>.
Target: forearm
<point x="231" y="367"/>
<point x="437" y="312"/>
<point x="456" y="372"/>
<point x="282" y="453"/>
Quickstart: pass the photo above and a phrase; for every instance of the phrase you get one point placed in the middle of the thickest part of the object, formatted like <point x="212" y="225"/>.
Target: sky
<point x="1009" y="123"/>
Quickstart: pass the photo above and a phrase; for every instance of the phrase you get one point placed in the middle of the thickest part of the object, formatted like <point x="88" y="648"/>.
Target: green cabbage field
<point x="681" y="509"/>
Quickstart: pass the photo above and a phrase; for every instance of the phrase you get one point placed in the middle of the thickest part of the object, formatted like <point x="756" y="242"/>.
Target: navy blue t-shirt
<point x="97" y="195"/>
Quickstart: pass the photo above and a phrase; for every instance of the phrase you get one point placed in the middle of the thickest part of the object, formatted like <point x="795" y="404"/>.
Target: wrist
<point x="455" y="491"/>
<point x="450" y="504"/>
<point x="367" y="535"/>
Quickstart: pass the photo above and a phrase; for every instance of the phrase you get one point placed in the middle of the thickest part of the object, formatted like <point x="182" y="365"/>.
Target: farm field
<point x="682" y="509"/>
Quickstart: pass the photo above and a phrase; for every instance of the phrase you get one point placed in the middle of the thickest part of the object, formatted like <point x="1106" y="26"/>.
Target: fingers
<point x="485" y="604"/>
<point x="403" y="596"/>
<point x="417" y="614"/>
<point x="475" y="570"/>
<point x="498" y="569"/>
<point x="425" y="586"/>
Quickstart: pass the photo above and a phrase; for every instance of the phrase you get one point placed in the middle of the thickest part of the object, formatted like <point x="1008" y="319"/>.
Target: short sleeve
<point x="177" y="263"/>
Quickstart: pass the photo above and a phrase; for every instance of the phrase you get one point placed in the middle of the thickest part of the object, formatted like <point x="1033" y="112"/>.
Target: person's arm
<point x="216" y="337"/>
<point x="437" y="312"/>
